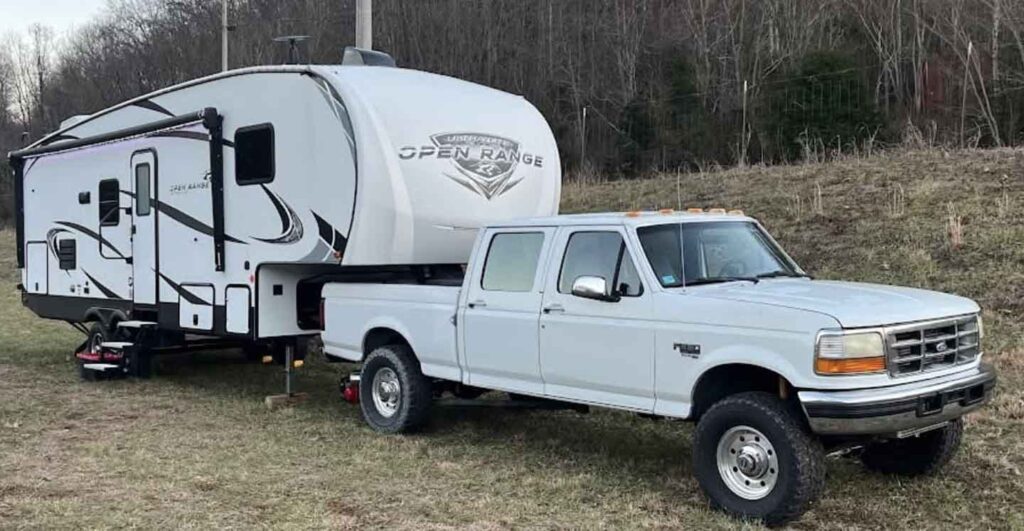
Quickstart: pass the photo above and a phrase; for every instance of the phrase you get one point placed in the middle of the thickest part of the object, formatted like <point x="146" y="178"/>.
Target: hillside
<point x="194" y="447"/>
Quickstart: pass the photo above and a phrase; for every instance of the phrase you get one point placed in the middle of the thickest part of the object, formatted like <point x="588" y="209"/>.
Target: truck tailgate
<point x="357" y="314"/>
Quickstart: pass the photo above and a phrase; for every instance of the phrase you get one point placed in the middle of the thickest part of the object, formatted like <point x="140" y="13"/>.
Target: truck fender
<point x="383" y="325"/>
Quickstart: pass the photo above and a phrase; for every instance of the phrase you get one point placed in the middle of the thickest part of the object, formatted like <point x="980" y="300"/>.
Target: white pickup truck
<point x="697" y="316"/>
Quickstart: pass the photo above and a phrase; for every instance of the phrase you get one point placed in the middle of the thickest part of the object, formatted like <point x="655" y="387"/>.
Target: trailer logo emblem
<point x="484" y="163"/>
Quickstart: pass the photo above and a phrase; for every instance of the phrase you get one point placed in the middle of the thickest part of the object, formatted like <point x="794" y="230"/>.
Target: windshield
<point x="699" y="253"/>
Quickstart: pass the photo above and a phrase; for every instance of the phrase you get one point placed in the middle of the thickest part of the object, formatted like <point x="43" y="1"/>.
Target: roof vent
<point x="362" y="57"/>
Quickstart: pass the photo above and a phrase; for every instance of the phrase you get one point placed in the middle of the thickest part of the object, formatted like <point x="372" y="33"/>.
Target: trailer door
<point x="144" y="213"/>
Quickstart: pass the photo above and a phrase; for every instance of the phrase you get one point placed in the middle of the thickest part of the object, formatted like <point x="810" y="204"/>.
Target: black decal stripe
<point x="92" y="234"/>
<point x="190" y="221"/>
<point x="281" y="211"/>
<point x="291" y="225"/>
<point x="109" y="293"/>
<point x="185" y="294"/>
<point x="184" y="218"/>
<point x="330" y="235"/>
<point x="153" y="106"/>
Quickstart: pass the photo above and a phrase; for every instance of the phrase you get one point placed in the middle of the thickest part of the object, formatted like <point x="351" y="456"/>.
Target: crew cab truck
<point x="696" y="316"/>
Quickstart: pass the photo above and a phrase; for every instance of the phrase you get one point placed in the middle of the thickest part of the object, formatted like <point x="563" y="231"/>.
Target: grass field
<point x="195" y="447"/>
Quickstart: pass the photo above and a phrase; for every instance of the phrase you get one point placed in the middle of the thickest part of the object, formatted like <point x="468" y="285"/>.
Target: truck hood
<point x="853" y="304"/>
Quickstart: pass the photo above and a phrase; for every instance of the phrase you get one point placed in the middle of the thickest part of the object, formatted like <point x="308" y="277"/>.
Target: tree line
<point x="628" y="86"/>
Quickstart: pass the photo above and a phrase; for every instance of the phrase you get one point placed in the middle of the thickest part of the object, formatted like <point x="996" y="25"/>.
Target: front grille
<point x="931" y="346"/>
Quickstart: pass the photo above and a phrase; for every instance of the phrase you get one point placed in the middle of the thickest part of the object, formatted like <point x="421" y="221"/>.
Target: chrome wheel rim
<point x="387" y="392"/>
<point x="747" y="462"/>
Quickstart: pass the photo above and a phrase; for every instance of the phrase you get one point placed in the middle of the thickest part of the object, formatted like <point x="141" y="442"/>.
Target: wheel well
<point x="725" y="380"/>
<point x="378" y="337"/>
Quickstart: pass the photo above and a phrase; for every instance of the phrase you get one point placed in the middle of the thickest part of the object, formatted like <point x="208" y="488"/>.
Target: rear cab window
<point x="511" y="263"/>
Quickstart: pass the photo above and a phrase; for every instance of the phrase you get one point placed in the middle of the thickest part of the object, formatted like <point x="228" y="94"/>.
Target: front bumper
<point x="899" y="410"/>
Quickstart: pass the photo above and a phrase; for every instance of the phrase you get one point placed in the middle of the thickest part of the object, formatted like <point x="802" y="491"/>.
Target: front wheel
<point x="916" y="456"/>
<point x="754" y="458"/>
<point x="394" y="395"/>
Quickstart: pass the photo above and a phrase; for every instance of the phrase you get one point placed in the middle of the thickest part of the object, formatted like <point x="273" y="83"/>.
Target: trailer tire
<point x="394" y="395"/>
<point x="915" y="456"/>
<point x="754" y="458"/>
<point x="98" y="333"/>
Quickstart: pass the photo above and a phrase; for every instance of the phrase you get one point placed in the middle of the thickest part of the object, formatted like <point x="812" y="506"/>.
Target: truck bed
<point x="423" y="314"/>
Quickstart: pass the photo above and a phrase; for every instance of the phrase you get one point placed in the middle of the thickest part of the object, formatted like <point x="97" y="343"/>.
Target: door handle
<point x="477" y="304"/>
<point x="554" y="308"/>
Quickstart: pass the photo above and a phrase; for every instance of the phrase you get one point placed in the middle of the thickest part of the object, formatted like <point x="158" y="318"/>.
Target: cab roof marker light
<point x="716" y="211"/>
<point x="633" y="214"/>
<point x="694" y="211"/>
<point x="666" y="211"/>
<point x="736" y="212"/>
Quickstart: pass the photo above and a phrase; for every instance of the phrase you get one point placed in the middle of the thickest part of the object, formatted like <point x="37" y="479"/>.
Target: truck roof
<point x="629" y="219"/>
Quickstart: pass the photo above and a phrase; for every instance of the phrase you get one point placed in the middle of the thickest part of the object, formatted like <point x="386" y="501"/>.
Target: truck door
<point x="599" y="351"/>
<point x="144" y="192"/>
<point x="499" y="323"/>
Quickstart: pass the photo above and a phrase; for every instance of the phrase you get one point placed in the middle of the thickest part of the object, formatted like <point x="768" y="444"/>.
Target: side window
<point x="254" y="154"/>
<point x="512" y="261"/>
<point x="110" y="212"/>
<point x="600" y="254"/>
<point x="142" y="193"/>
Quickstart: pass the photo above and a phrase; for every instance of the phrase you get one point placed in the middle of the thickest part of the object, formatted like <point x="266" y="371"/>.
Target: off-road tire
<point x="416" y="393"/>
<point x="915" y="456"/>
<point x="801" y="460"/>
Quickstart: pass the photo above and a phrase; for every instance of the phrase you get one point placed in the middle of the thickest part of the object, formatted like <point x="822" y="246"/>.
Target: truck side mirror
<point x="593" y="287"/>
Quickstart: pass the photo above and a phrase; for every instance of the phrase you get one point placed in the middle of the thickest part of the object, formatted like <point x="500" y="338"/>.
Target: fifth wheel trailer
<point x="219" y="206"/>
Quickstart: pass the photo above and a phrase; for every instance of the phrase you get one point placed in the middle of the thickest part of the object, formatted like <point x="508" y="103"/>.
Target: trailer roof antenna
<point x="293" y="46"/>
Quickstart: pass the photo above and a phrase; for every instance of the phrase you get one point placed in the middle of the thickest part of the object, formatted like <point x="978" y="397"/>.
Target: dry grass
<point x="195" y="448"/>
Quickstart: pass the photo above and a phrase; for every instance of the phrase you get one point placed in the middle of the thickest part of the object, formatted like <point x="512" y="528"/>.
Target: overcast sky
<point x="61" y="15"/>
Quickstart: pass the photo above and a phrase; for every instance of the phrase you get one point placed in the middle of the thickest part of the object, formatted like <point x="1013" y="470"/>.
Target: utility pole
<point x="364" y="24"/>
<point x="224" y="36"/>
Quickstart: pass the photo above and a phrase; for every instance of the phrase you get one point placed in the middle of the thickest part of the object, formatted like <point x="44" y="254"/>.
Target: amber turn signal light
<point x="850" y="365"/>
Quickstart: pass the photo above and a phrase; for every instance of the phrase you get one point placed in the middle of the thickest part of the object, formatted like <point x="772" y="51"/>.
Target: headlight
<point x="838" y="353"/>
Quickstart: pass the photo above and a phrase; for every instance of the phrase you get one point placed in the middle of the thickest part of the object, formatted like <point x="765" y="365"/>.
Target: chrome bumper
<point x="899" y="409"/>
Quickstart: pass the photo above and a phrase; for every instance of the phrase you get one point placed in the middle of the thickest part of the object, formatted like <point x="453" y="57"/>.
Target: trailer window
<point x="142" y="200"/>
<point x="110" y="212"/>
<point x="254" y="154"/>
<point x="512" y="261"/>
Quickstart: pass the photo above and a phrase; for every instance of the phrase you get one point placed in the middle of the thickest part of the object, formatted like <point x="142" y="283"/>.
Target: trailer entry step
<point x="136" y="324"/>
<point x="116" y="345"/>
<point x="100" y="366"/>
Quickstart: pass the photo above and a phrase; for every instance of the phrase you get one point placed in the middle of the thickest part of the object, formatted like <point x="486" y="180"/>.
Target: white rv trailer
<point x="221" y="205"/>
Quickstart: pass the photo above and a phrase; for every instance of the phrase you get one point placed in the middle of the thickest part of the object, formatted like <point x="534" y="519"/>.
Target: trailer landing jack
<point x="290" y="397"/>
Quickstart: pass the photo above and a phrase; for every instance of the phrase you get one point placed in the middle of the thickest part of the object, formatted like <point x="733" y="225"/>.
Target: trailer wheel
<point x="394" y="395"/>
<point x="915" y="456"/>
<point x="754" y="458"/>
<point x="98" y="333"/>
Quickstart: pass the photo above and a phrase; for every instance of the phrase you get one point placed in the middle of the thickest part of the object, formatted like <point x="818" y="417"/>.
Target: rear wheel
<point x="754" y="458"/>
<point x="915" y="456"/>
<point x="394" y="396"/>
